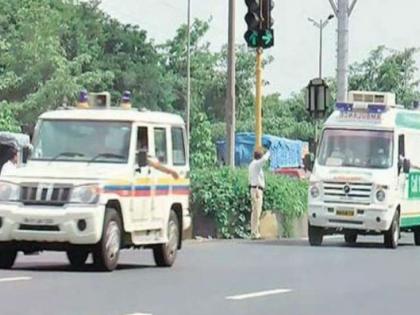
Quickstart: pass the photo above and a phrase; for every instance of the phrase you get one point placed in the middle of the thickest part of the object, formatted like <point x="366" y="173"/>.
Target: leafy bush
<point x="203" y="152"/>
<point x="8" y="121"/>
<point x="223" y="194"/>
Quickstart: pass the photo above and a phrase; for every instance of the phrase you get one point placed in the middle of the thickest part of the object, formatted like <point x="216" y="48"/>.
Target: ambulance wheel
<point x="7" y="258"/>
<point x="350" y="238"/>
<point x="392" y="236"/>
<point x="77" y="258"/>
<point x="107" y="251"/>
<point x="165" y="254"/>
<point x="316" y="235"/>
<point x="417" y="236"/>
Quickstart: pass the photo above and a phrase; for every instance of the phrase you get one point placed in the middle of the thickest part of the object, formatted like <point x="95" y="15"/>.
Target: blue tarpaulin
<point x="284" y="152"/>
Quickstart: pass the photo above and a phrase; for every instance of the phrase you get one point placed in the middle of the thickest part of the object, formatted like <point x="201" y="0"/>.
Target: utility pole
<point x="321" y="25"/>
<point x="343" y="12"/>
<point x="231" y="95"/>
<point x="189" y="71"/>
<point x="321" y="29"/>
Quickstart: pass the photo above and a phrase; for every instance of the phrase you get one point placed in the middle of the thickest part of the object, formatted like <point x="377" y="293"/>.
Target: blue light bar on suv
<point x="344" y="107"/>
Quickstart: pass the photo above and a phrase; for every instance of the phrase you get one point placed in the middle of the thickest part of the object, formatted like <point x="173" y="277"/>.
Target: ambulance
<point x="366" y="175"/>
<point x="88" y="187"/>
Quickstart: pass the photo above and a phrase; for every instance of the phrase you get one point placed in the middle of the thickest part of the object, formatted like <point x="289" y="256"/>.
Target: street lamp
<point x="321" y="25"/>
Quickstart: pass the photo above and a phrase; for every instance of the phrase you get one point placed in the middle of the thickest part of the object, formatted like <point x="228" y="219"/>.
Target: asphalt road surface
<point x="224" y="277"/>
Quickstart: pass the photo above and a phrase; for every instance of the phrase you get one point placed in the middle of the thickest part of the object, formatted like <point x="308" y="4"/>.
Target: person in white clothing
<point x="257" y="186"/>
<point x="11" y="164"/>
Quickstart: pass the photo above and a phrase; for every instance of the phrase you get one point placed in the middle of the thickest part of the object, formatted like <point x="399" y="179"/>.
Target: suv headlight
<point x="9" y="191"/>
<point x="314" y="191"/>
<point x="85" y="194"/>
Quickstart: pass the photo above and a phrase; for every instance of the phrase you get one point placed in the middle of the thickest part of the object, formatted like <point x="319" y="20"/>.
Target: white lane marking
<point x="15" y="279"/>
<point x="257" y="294"/>
<point x="140" y="314"/>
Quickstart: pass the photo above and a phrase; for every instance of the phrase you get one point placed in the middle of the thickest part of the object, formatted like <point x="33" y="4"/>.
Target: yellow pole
<point x="258" y="100"/>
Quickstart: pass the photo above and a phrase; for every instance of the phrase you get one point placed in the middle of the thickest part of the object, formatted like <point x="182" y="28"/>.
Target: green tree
<point x="7" y="119"/>
<point x="387" y="70"/>
<point x="203" y="153"/>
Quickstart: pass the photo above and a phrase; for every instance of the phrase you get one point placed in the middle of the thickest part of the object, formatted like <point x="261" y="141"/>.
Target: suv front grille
<point x="44" y="194"/>
<point x="341" y="192"/>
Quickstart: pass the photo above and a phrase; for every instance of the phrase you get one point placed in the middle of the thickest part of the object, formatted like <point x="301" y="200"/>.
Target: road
<point x="224" y="277"/>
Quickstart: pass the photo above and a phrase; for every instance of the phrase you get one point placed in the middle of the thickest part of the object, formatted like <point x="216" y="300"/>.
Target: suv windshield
<point x="356" y="148"/>
<point x="82" y="141"/>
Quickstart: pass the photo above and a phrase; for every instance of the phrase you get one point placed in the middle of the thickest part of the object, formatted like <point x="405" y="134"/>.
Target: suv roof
<point x="114" y="115"/>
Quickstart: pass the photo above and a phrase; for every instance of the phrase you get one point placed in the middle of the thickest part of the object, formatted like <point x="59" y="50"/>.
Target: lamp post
<point x="321" y="25"/>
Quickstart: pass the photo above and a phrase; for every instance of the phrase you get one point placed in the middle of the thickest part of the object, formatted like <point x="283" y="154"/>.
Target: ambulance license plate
<point x="345" y="213"/>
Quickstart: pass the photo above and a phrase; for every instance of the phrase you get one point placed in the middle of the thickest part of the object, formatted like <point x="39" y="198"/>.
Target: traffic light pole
<point x="259" y="35"/>
<point x="258" y="99"/>
<point x="231" y="96"/>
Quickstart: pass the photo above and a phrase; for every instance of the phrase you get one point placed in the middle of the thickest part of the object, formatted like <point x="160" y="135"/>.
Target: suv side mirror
<point x="308" y="163"/>
<point x="142" y="158"/>
<point x="406" y="166"/>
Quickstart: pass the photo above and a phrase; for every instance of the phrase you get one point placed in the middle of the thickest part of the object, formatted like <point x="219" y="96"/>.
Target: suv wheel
<point x="316" y="235"/>
<point x="165" y="254"/>
<point x="106" y="252"/>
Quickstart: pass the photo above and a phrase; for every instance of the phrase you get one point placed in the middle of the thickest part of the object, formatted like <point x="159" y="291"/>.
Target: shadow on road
<point x="327" y="243"/>
<point x="48" y="267"/>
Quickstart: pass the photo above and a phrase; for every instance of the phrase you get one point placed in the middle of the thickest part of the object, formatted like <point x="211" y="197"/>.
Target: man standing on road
<point x="257" y="185"/>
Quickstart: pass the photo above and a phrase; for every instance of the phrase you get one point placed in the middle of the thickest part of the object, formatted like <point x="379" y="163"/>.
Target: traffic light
<point x="260" y="22"/>
<point x="253" y="20"/>
<point x="267" y="32"/>
<point x="267" y="7"/>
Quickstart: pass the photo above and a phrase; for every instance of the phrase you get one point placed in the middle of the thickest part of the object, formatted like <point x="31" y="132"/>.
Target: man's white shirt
<point x="256" y="173"/>
<point x="8" y="168"/>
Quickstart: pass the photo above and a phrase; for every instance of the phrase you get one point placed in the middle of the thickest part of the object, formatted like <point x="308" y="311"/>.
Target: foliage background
<point x="51" y="49"/>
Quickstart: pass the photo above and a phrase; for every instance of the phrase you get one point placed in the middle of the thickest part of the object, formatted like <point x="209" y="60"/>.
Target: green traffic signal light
<point x="267" y="38"/>
<point x="252" y="38"/>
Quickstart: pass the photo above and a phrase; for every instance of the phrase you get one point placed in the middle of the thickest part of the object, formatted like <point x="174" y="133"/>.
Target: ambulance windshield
<point x="82" y="141"/>
<point x="356" y="148"/>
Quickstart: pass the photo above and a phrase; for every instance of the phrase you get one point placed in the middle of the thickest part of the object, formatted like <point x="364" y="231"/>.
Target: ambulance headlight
<point x="9" y="191"/>
<point x="87" y="194"/>
<point x="314" y="191"/>
<point x="380" y="195"/>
